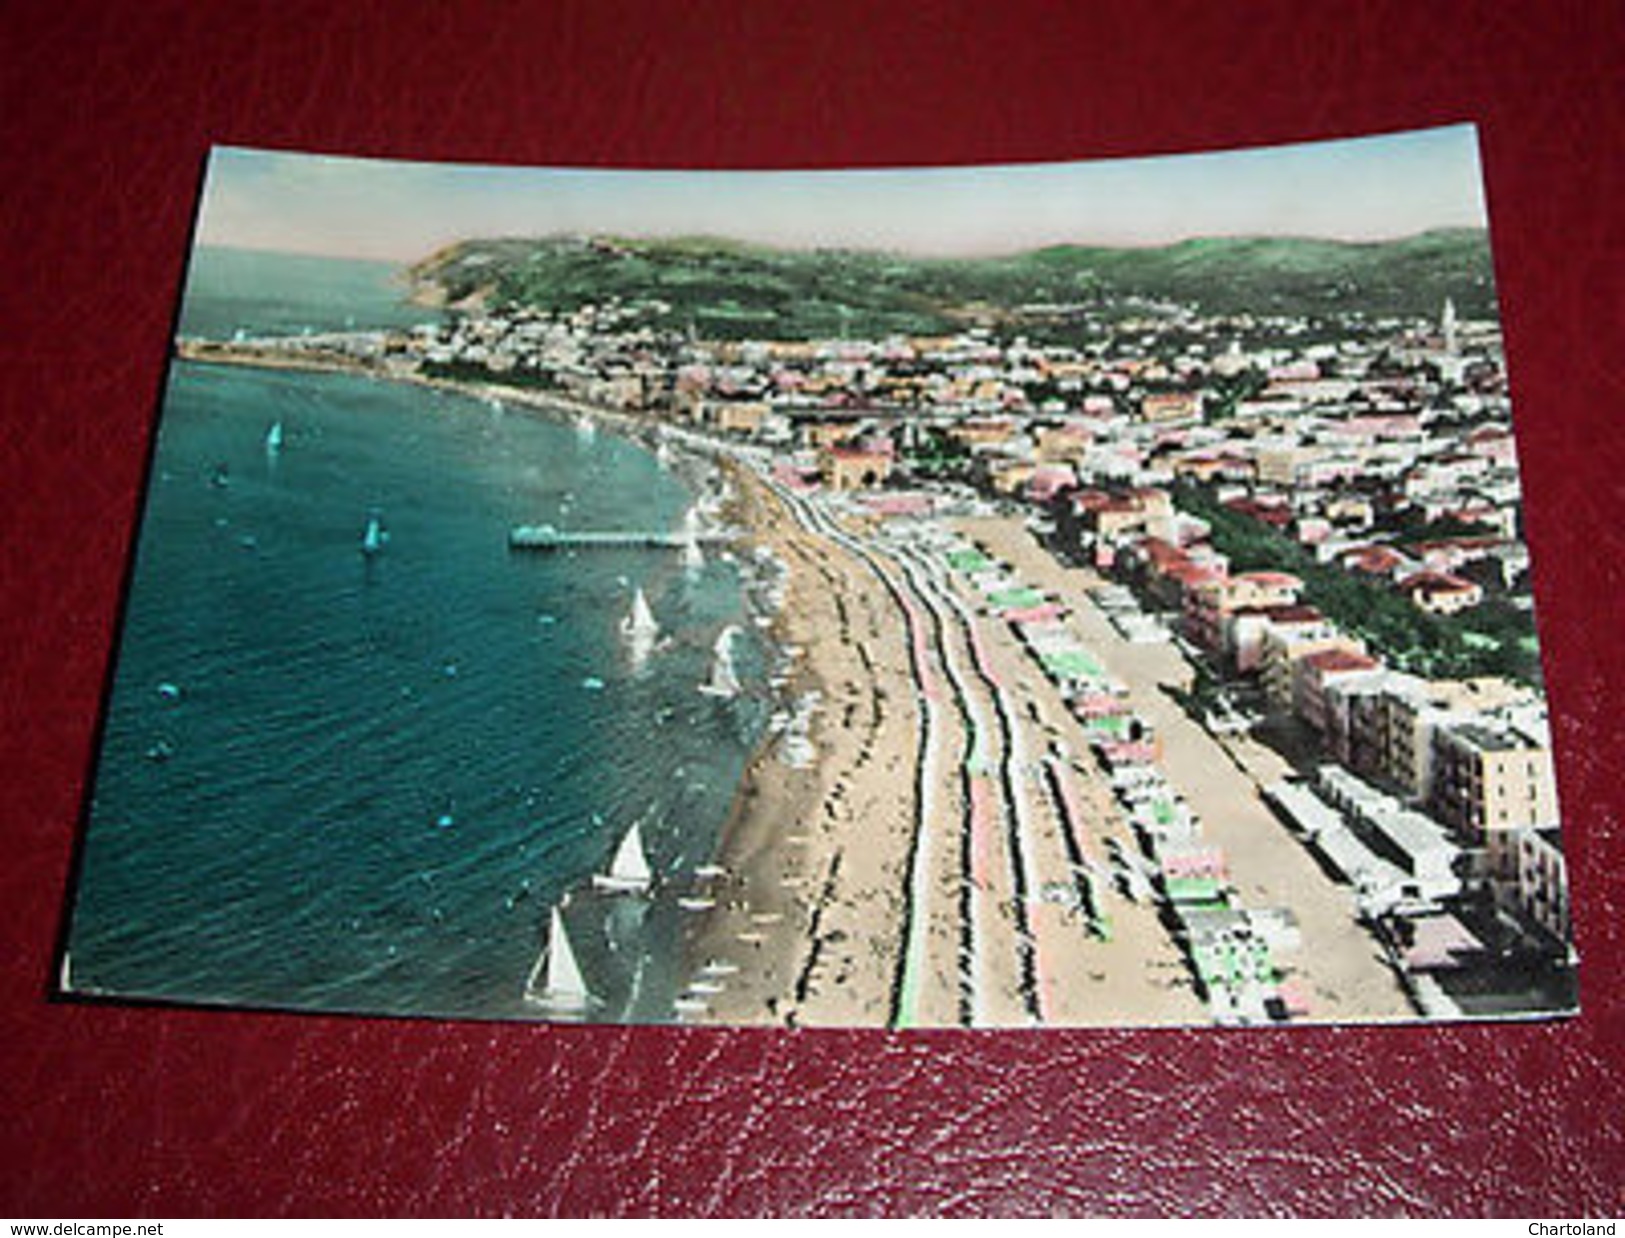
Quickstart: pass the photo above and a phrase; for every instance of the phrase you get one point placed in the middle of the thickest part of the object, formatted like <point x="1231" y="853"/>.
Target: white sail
<point x="629" y="870"/>
<point x="689" y="540"/>
<point x="372" y="541"/>
<point x="562" y="983"/>
<point x="724" y="681"/>
<point x="586" y="427"/>
<point x="693" y="556"/>
<point x="273" y="439"/>
<point x="640" y="626"/>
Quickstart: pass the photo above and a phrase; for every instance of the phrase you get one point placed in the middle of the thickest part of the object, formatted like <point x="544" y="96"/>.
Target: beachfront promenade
<point x="952" y="856"/>
<point x="957" y="859"/>
<point x="1339" y="964"/>
<point x="971" y="892"/>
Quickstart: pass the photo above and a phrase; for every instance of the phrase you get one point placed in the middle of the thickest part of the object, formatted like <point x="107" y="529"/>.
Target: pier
<point x="546" y="537"/>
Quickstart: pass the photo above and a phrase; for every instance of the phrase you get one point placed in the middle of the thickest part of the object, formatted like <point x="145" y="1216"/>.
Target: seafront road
<point x="996" y="935"/>
<point x="1339" y="965"/>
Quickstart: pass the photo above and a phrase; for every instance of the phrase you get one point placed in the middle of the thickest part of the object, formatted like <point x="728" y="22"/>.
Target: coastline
<point x="204" y="352"/>
<point x="813" y="898"/>
<point x="807" y="921"/>
<point x="808" y="924"/>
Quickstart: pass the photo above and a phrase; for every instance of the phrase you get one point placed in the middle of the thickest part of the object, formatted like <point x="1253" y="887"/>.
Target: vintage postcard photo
<point x="1078" y="594"/>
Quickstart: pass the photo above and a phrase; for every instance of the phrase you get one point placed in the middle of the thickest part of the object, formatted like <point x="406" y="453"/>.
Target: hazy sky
<point x="1359" y="189"/>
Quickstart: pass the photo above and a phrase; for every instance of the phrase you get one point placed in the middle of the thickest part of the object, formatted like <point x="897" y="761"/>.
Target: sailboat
<point x="693" y="558"/>
<point x="557" y="972"/>
<point x="372" y="541"/>
<point x="639" y="626"/>
<point x="723" y="682"/>
<point x="273" y="439"/>
<point x="586" y="427"/>
<point x="629" y="871"/>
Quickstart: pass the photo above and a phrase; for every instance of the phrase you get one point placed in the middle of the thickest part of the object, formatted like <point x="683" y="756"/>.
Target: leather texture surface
<point x="106" y="111"/>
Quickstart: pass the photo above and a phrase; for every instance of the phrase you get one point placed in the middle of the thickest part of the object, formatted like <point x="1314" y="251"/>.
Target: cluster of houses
<point x="1470" y="757"/>
<point x="1462" y="767"/>
<point x="1382" y="447"/>
<point x="1422" y="411"/>
<point x="1334" y="444"/>
<point x="1434" y="799"/>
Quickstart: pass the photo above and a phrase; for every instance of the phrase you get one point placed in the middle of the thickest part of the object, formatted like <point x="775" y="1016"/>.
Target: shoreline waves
<point x="765" y="872"/>
<point x="809" y="867"/>
<point x="942" y="858"/>
<point x="810" y="912"/>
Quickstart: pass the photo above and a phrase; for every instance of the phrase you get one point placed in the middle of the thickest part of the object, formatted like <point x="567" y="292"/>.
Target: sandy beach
<point x="1338" y="963"/>
<point x="981" y="892"/>
<point x="942" y="852"/>
<point x="810" y="910"/>
<point x="859" y="894"/>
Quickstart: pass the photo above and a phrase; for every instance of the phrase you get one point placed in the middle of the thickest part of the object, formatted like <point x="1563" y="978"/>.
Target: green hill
<point x="732" y="289"/>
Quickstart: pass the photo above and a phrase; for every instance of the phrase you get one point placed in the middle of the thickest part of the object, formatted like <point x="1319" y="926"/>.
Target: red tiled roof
<point x="1282" y="580"/>
<point x="1163" y="555"/>
<point x="1436" y="582"/>
<point x="1269" y="513"/>
<point x="1101" y="501"/>
<point x="1331" y="660"/>
<point x="1189" y="574"/>
<point x="1375" y="559"/>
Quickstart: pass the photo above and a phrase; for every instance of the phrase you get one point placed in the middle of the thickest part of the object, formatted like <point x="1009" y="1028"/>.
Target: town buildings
<point x="1375" y="455"/>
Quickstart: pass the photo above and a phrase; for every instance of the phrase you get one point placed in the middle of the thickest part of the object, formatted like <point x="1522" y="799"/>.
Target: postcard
<point x="1086" y="594"/>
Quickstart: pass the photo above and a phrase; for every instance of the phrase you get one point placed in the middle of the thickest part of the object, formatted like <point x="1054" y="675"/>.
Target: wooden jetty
<point x="546" y="537"/>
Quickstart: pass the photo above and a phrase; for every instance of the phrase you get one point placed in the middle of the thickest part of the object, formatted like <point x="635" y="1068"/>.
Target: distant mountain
<point x="1296" y="275"/>
<point x="735" y="289"/>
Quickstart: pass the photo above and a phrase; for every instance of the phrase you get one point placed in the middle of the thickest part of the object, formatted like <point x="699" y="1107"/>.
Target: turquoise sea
<point x="344" y="782"/>
<point x="268" y="294"/>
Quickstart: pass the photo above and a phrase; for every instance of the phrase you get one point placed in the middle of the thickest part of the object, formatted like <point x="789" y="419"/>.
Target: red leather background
<point x="105" y="115"/>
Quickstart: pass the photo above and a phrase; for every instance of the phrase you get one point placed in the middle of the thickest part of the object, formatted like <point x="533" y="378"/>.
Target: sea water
<point x="232" y="291"/>
<point x="348" y="782"/>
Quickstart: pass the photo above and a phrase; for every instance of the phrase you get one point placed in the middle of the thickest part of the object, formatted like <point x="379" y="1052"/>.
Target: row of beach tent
<point x="1231" y="949"/>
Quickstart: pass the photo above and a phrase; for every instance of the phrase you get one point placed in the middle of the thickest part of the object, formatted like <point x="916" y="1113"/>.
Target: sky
<point x="1371" y="188"/>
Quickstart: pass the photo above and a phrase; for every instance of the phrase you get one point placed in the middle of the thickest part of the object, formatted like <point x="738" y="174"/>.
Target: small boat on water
<point x="629" y="871"/>
<point x="693" y="557"/>
<point x="273" y="439"/>
<point x="374" y="539"/>
<point x="639" y="626"/>
<point x="724" y="681"/>
<point x="556" y="980"/>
